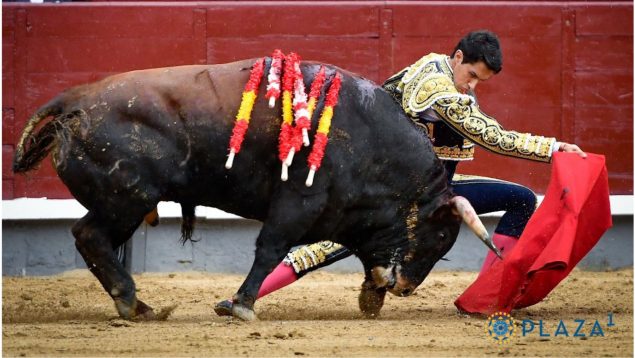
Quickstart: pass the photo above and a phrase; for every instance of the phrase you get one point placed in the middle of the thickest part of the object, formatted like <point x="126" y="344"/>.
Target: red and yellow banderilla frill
<point x="316" y="87"/>
<point x="321" y="135"/>
<point x="273" y="85"/>
<point x="300" y="110"/>
<point x="286" y="146"/>
<point x="244" y="112"/>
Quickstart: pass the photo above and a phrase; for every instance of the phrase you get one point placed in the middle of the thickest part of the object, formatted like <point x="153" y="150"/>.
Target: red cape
<point x="569" y="222"/>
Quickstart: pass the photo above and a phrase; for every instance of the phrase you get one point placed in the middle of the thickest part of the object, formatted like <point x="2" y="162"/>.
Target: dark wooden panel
<point x="608" y="131"/>
<point x="532" y="56"/>
<point x="7" y="160"/>
<point x="445" y="20"/>
<point x="49" y="187"/>
<point x="293" y="20"/>
<point x="604" y="89"/>
<point x="356" y="55"/>
<point x="7" y="189"/>
<point x="521" y="55"/>
<point x="407" y="50"/>
<point x="8" y="25"/>
<point x="115" y="55"/>
<point x="604" y="53"/>
<point x="108" y="22"/>
<point x="8" y="120"/>
<point x="553" y="53"/>
<point x="613" y="19"/>
<point x="8" y="75"/>
<point x="543" y="121"/>
<point x="524" y="90"/>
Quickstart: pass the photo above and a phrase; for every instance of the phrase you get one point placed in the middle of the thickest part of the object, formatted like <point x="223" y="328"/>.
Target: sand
<point x="71" y="315"/>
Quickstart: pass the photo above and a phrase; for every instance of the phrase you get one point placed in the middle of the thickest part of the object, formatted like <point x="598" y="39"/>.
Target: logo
<point x="500" y="326"/>
<point x="581" y="328"/>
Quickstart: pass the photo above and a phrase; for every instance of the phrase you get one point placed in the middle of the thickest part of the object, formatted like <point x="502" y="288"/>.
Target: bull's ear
<point x="444" y="212"/>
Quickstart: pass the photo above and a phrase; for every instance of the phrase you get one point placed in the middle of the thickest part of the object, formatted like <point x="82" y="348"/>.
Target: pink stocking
<point x="280" y="277"/>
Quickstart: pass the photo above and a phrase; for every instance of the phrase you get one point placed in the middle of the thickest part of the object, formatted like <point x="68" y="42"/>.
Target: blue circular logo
<point x="500" y="326"/>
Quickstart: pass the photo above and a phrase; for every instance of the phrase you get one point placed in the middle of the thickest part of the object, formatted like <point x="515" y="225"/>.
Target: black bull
<point x="123" y="144"/>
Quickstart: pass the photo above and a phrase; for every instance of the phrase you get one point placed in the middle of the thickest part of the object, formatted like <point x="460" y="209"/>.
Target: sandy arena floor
<point x="70" y="315"/>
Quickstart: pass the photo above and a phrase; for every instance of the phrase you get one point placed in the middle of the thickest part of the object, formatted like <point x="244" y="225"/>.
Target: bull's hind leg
<point x="290" y="217"/>
<point x="95" y="239"/>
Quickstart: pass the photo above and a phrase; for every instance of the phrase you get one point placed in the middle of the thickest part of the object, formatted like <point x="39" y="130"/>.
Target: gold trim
<point x="312" y="255"/>
<point x="454" y="153"/>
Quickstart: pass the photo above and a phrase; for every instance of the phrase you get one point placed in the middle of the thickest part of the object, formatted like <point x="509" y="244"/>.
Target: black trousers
<point x="489" y="195"/>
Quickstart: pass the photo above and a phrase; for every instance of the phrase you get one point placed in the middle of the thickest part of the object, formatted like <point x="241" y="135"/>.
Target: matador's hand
<point x="571" y="148"/>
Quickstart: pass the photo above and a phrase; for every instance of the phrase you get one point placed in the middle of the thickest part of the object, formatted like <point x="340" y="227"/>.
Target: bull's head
<point x="431" y="232"/>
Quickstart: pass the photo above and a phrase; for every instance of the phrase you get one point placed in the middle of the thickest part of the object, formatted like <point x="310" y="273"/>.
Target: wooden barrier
<point x="568" y="66"/>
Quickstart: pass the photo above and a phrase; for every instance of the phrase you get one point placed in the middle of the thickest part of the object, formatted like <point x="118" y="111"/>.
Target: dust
<point x="71" y="315"/>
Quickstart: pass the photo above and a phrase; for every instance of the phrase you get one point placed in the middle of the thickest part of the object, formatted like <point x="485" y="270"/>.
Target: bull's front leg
<point x="371" y="298"/>
<point x="270" y="250"/>
<point x="290" y="217"/>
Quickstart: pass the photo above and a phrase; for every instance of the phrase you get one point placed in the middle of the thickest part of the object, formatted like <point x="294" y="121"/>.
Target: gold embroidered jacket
<point x="428" y="84"/>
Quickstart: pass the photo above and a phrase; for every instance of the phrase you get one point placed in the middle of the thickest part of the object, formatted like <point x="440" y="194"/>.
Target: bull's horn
<point x="463" y="208"/>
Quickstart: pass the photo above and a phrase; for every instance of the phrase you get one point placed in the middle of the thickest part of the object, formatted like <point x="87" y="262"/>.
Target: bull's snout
<point x="392" y="279"/>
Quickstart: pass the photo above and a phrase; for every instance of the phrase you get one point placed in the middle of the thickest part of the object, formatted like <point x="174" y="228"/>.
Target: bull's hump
<point x="367" y="91"/>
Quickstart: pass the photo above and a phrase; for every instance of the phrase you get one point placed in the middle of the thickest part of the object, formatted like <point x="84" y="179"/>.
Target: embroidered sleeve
<point x="466" y="118"/>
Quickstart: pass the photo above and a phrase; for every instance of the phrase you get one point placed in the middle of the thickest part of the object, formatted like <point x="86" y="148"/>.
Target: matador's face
<point x="468" y="75"/>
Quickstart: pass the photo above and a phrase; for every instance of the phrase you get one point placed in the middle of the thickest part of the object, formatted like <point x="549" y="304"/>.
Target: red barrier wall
<point x="568" y="67"/>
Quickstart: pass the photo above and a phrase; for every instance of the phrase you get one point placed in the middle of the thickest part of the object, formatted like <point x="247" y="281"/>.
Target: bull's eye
<point x="442" y="235"/>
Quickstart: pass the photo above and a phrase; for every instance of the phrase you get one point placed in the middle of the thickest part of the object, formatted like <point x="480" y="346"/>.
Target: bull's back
<point x="166" y="132"/>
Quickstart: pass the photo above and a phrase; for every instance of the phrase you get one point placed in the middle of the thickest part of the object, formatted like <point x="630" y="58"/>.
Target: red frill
<point x="238" y="134"/>
<point x="317" y="153"/>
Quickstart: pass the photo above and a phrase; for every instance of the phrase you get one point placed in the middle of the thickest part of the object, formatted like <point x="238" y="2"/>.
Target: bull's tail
<point x="188" y="213"/>
<point x="34" y="146"/>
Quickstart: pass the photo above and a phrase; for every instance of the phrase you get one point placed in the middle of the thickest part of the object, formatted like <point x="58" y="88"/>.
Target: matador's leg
<point x="296" y="264"/>
<point x="490" y="195"/>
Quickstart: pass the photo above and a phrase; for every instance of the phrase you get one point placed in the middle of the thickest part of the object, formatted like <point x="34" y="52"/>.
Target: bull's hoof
<point x="136" y="311"/>
<point x="144" y="312"/>
<point x="223" y="308"/>
<point x="242" y="312"/>
<point x="371" y="300"/>
<point x="125" y="310"/>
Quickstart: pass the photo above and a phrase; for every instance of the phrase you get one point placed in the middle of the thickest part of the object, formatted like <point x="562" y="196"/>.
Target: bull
<point x="129" y="141"/>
